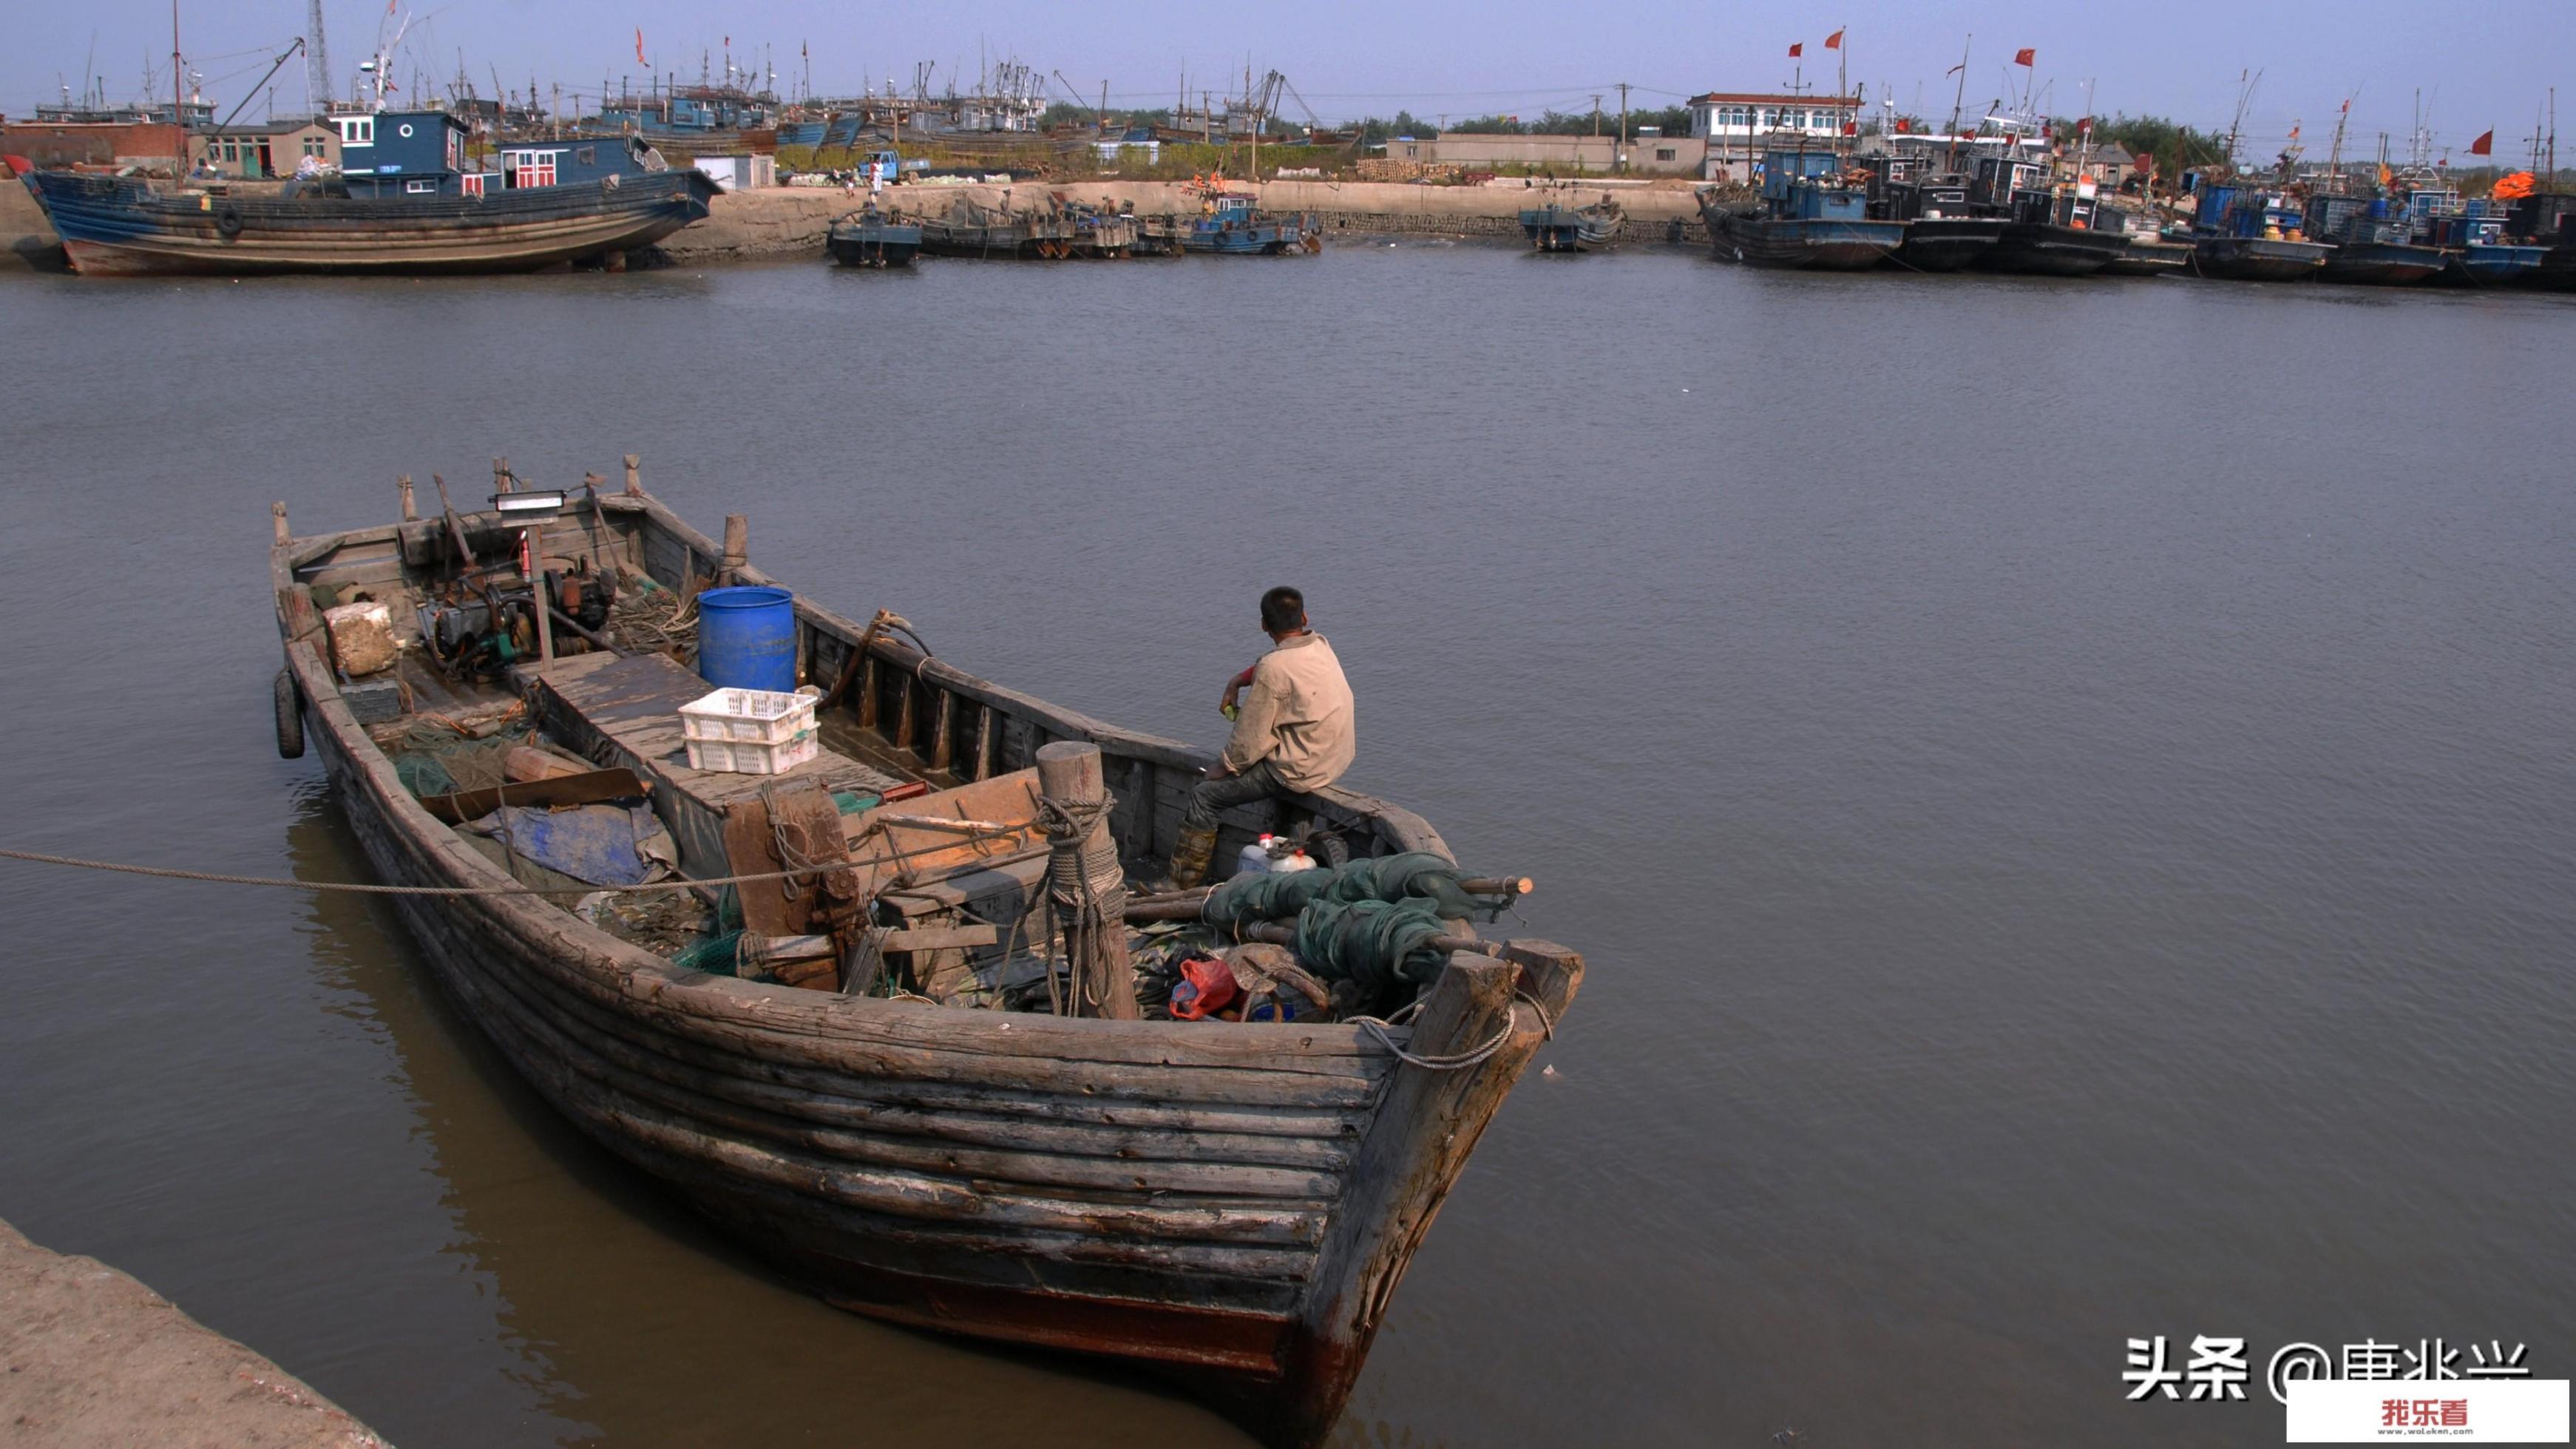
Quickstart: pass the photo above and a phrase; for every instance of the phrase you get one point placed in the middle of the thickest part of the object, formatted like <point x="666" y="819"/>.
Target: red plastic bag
<point x="1205" y="987"/>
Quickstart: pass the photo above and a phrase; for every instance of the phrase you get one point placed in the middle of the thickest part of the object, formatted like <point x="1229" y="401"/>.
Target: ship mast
<point x="178" y="95"/>
<point x="1959" y="102"/>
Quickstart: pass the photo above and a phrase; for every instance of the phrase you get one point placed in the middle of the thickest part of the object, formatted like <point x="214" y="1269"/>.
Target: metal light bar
<point x="539" y="503"/>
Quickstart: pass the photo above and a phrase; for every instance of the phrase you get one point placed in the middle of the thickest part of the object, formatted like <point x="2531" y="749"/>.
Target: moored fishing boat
<point x="407" y="200"/>
<point x="2371" y="246"/>
<point x="2249" y="234"/>
<point x="1806" y="217"/>
<point x="870" y="238"/>
<point x="1555" y="228"/>
<point x="1231" y="225"/>
<point x="969" y="228"/>
<point x="2049" y="229"/>
<point x="901" y="1122"/>
<point x="1943" y="233"/>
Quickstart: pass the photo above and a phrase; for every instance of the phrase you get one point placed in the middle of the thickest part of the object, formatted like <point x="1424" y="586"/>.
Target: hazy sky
<point x="2479" y="65"/>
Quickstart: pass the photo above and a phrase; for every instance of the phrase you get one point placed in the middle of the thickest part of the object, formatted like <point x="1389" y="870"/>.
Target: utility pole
<point x="1596" y="118"/>
<point x="1622" y="158"/>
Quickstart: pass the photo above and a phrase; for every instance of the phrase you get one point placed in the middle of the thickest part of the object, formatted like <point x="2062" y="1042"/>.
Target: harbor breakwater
<point x="783" y="221"/>
<point x="788" y="220"/>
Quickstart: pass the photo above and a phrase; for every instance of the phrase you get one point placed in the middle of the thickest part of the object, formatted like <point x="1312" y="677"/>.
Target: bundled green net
<point x="1378" y="944"/>
<point x="1414" y="876"/>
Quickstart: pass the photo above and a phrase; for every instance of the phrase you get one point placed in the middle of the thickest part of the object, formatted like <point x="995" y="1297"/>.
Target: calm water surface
<point x="2068" y="791"/>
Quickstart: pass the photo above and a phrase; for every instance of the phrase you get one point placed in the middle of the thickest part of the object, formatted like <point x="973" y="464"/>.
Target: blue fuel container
<point x="747" y="639"/>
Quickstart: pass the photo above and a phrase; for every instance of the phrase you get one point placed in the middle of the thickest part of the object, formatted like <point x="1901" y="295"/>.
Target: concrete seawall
<point x="792" y="220"/>
<point x="91" y="1359"/>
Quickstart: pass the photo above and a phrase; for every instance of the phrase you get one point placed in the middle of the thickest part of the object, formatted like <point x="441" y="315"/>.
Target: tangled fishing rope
<point x="1076" y="908"/>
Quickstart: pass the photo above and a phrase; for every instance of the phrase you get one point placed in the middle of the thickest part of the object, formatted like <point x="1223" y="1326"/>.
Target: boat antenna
<point x="1957" y="102"/>
<point x="178" y="94"/>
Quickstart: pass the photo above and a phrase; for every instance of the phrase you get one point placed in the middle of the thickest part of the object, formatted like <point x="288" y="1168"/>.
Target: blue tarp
<point x="600" y="844"/>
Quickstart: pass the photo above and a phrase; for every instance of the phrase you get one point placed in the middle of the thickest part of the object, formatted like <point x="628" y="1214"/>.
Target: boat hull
<point x="2150" y="258"/>
<point x="874" y="246"/>
<point x="2492" y="265"/>
<point x="2379" y="264"/>
<point x="1229" y="1205"/>
<point x="1947" y="243"/>
<point x="114" y="227"/>
<point x="1806" y="245"/>
<point x="2047" y="250"/>
<point x="1552" y="229"/>
<point x="2257" y="259"/>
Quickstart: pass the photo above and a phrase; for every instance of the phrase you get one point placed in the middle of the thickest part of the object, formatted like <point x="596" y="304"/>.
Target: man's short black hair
<point x="1283" y="610"/>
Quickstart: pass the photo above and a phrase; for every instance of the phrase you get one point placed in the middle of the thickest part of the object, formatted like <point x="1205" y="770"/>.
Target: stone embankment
<point x="792" y="220"/>
<point x="91" y="1359"/>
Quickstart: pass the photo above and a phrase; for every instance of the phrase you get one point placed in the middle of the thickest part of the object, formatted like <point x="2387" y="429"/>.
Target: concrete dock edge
<point x="90" y="1358"/>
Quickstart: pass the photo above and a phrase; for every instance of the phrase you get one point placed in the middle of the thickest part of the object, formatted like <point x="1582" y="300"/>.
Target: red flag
<point x="639" y="49"/>
<point x="1834" y="41"/>
<point x="1851" y="128"/>
<point x="2294" y="131"/>
<point x="2483" y="146"/>
<point x="2025" y="56"/>
<point x="1798" y="49"/>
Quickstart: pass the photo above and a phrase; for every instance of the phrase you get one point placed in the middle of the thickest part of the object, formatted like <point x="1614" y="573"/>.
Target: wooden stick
<point x="1185" y="905"/>
<point x="1069" y="773"/>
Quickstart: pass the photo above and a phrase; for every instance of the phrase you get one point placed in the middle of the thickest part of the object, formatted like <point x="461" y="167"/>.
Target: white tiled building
<point x="1736" y="124"/>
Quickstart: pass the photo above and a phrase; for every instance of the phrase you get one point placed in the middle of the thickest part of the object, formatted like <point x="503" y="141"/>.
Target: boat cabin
<point x="425" y="153"/>
<point x="2241" y="211"/>
<point x="1806" y="185"/>
<point x="1995" y="182"/>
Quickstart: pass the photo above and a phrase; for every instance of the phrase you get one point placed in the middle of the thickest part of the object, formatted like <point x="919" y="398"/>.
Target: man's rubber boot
<point x="1190" y="859"/>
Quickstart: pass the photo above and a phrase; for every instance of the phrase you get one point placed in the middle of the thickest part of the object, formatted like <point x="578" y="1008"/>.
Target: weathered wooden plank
<point x="711" y="1104"/>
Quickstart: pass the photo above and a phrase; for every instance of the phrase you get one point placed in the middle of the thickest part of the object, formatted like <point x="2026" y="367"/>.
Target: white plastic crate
<point x="750" y="731"/>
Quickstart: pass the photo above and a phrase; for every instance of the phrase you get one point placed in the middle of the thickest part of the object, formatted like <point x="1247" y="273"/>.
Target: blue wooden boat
<point x="870" y="238"/>
<point x="1232" y="227"/>
<point x="2372" y="246"/>
<point x="1807" y="217"/>
<point x="2246" y="234"/>
<point x="1554" y="228"/>
<point x="2480" y="248"/>
<point x="406" y="199"/>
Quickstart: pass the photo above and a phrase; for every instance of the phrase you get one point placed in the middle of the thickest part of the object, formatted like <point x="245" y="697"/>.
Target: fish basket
<point x="750" y="731"/>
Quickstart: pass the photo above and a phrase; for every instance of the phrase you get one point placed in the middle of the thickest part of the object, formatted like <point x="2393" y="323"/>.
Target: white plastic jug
<point x="1255" y="859"/>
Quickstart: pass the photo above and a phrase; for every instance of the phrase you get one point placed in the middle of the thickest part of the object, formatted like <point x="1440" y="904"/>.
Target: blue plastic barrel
<point x="747" y="639"/>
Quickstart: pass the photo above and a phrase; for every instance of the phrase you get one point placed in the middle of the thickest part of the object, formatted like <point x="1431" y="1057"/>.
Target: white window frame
<point x="357" y="131"/>
<point x="419" y="186"/>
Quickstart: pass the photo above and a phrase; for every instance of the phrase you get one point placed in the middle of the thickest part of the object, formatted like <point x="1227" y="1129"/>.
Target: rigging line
<point x="676" y="883"/>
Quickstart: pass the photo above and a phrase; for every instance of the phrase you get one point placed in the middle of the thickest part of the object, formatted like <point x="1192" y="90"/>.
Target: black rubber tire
<point x="290" y="718"/>
<point x="229" y="222"/>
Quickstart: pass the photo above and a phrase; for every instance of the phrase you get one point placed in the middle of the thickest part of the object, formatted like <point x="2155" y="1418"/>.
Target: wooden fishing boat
<point x="116" y="226"/>
<point x="1554" y="228"/>
<point x="1806" y="218"/>
<point x="1228" y="1203"/>
<point x="870" y="238"/>
<point x="416" y="206"/>
<point x="1233" y="226"/>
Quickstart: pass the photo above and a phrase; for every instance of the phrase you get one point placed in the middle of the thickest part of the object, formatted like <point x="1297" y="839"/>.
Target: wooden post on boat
<point x="634" y="484"/>
<point x="409" y="512"/>
<point x="277" y="515"/>
<point x="500" y="475"/>
<point x="1424" y="1129"/>
<point x="1085" y="886"/>
<point x="737" y="549"/>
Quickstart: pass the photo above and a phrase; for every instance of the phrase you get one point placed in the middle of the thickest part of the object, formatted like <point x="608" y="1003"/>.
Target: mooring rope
<point x="675" y="883"/>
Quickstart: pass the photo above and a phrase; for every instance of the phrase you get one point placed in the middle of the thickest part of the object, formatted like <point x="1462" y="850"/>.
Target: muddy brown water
<point x="2067" y="789"/>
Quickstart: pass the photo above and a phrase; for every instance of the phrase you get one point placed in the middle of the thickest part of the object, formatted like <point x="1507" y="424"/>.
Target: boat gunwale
<point x="638" y="979"/>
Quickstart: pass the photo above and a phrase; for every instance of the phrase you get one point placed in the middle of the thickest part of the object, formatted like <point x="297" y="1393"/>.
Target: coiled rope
<point x="1077" y="908"/>
<point x="1379" y="1027"/>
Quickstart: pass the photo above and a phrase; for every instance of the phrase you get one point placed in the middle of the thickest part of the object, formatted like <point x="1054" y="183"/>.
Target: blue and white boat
<point x="1232" y="226"/>
<point x="1808" y="216"/>
<point x="408" y="198"/>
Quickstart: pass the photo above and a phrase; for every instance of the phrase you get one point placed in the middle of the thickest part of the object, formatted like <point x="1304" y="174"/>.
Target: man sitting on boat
<point x="1294" y="734"/>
